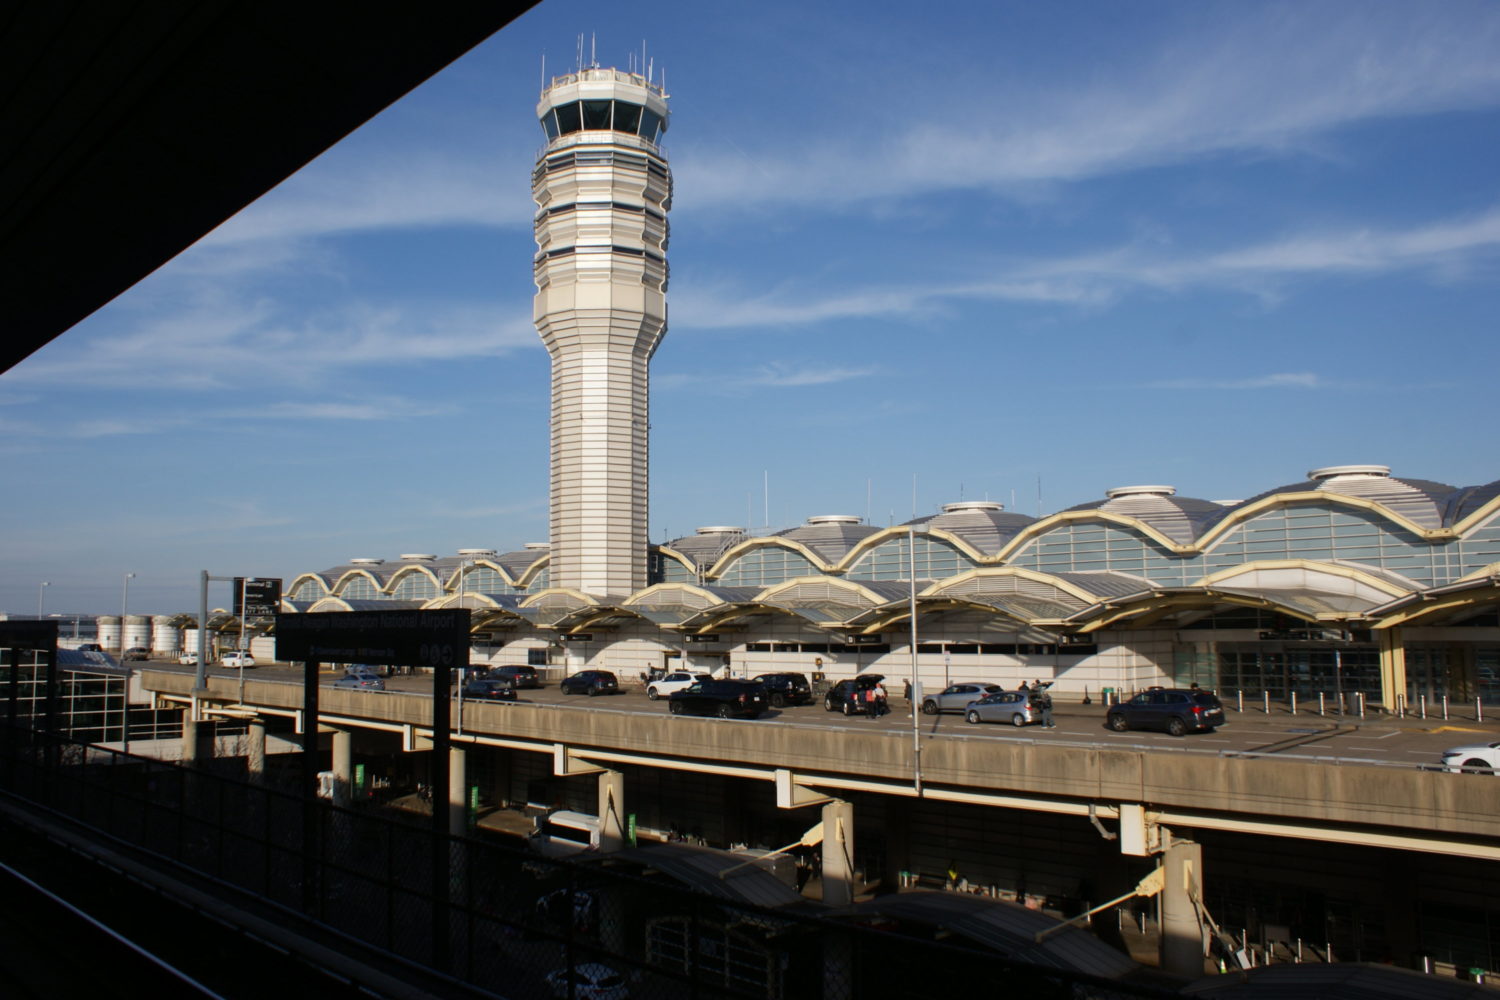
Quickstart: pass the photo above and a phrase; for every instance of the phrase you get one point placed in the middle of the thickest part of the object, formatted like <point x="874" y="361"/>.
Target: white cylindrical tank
<point x="138" y="631"/>
<point x="107" y="628"/>
<point x="166" y="638"/>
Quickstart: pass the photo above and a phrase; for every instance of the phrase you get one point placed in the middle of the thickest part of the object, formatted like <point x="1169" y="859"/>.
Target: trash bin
<point x="1109" y="696"/>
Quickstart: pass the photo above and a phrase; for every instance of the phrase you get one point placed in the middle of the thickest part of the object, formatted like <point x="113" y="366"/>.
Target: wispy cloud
<point x="1275" y="80"/>
<point x="767" y="376"/>
<point x="1280" y="380"/>
<point x="1446" y="250"/>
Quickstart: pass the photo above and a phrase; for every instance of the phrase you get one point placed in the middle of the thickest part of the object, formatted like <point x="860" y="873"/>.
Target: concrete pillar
<point x="458" y="792"/>
<point x="191" y="737"/>
<point x="343" y="768"/>
<point x="613" y="835"/>
<point x="838" y="853"/>
<point x="256" y="757"/>
<point x="1392" y="666"/>
<point x="1181" y="947"/>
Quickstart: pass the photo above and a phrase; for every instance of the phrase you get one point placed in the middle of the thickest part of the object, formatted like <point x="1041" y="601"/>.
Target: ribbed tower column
<point x="602" y="189"/>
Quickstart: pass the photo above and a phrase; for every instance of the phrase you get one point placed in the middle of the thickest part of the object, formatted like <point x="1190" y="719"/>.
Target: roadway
<point x="1378" y="740"/>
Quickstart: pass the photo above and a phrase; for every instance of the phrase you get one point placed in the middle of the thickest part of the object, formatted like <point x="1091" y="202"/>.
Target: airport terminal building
<point x="1350" y="582"/>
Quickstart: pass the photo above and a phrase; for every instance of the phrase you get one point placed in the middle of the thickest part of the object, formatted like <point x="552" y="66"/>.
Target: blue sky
<point x="993" y="249"/>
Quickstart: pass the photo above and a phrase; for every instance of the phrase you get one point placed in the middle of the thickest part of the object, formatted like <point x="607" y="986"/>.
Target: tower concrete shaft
<point x="602" y="189"/>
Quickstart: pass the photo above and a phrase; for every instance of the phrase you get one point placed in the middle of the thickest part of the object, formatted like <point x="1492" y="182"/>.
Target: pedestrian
<point x="906" y="689"/>
<point x="1044" y="701"/>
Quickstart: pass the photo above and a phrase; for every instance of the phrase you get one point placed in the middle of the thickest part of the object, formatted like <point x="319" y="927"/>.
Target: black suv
<point x="722" y="698"/>
<point x="490" y="690"/>
<point x="591" y="682"/>
<point x="1176" y="710"/>
<point x="856" y="696"/>
<point x="518" y="676"/>
<point x="787" y="689"/>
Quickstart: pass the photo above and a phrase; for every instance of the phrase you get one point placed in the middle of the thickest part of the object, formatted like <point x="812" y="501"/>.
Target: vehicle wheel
<point x="1176" y="727"/>
<point x="778" y="700"/>
<point x="593" y="691"/>
<point x="1117" y="722"/>
<point x="972" y="717"/>
<point x="724" y="712"/>
<point x="828" y="704"/>
<point x="1018" y="720"/>
<point x="653" y="694"/>
<point x="1477" y="766"/>
<point x="929" y="708"/>
<point x="676" y="707"/>
<point x="848" y="708"/>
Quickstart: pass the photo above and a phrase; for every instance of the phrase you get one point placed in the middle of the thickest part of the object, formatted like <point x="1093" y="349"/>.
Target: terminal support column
<point x="613" y="836"/>
<point x="1182" y="932"/>
<point x="343" y="768"/>
<point x="256" y="755"/>
<point x="838" y="853"/>
<point x="458" y="785"/>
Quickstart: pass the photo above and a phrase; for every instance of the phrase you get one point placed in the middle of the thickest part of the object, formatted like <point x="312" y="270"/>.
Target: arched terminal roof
<point x="983" y="524"/>
<point x="1181" y="519"/>
<point x="1420" y="501"/>
<point x="829" y="536"/>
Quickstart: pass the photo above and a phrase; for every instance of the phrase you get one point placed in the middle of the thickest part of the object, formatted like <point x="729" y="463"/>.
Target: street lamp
<point x="124" y="605"/>
<point x="40" y="592"/>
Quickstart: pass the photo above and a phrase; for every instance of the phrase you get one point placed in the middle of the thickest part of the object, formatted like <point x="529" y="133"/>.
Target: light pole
<point x="40" y="592"/>
<point x="124" y="605"/>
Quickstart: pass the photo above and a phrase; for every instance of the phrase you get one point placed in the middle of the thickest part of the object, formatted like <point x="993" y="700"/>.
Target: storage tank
<point x="138" y="631"/>
<point x="190" y="642"/>
<point x="107" y="628"/>
<point x="166" y="638"/>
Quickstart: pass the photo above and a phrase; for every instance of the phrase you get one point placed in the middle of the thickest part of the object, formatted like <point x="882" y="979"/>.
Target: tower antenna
<point x="578" y="66"/>
<point x="544" y="71"/>
<point x="594" y="50"/>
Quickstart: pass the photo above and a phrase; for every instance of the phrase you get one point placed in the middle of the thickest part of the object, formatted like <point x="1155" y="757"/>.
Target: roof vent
<point x="720" y="529"/>
<point x="835" y="519"/>
<point x="476" y="553"/>
<point x="418" y="556"/>
<point x="538" y="546"/>
<point x="1337" y="471"/>
<point x="365" y="561"/>
<point x="963" y="505"/>
<point x="1141" y="491"/>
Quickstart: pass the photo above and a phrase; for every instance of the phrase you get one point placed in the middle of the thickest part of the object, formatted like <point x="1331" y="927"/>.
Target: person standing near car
<point x="1043" y="701"/>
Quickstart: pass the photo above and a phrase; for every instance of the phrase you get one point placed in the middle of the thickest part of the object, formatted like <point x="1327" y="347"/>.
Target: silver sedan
<point x="1003" y="706"/>
<point x="955" y="697"/>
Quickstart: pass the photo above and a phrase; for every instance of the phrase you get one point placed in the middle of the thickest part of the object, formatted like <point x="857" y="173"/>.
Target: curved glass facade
<point x="603" y="116"/>
<point x="889" y="560"/>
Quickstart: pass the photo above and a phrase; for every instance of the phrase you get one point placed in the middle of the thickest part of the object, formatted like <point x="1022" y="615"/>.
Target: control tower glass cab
<point x="603" y="190"/>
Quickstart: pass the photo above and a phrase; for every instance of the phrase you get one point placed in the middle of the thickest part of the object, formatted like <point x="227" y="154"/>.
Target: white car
<point x="675" y="681"/>
<point x="1478" y="758"/>
<point x="590" y="981"/>
<point x="188" y="659"/>
<point x="237" y="658"/>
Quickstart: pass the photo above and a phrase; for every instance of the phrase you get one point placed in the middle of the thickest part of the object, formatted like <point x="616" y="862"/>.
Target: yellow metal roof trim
<point x="1239" y="515"/>
<point x="638" y="599"/>
<point x="897" y="532"/>
<point x="341" y="581"/>
<point x="1328" y="569"/>
<point x="530" y="572"/>
<point x="1037" y="576"/>
<point x="849" y="585"/>
<point x="750" y="544"/>
<point x="687" y="563"/>
<point x="536" y="600"/>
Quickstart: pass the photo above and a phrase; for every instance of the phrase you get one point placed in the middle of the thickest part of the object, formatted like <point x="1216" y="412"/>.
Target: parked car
<point x="675" y="681"/>
<point x="724" y="698"/>
<point x="1174" y="710"/>
<point x="234" y="658"/>
<point x="956" y="697"/>
<point x="1476" y="758"/>
<point x="188" y="659"/>
<point x="363" y="677"/>
<point x="486" y="689"/>
<point x="591" y="682"/>
<point x="1014" y="707"/>
<point x="91" y="647"/>
<point x="135" y="653"/>
<point x="856" y="695"/>
<point x="787" y="688"/>
<point x="519" y="675"/>
<point x="589" y="981"/>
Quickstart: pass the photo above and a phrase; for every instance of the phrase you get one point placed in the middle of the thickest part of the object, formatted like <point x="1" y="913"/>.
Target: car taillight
<point x="742" y="699"/>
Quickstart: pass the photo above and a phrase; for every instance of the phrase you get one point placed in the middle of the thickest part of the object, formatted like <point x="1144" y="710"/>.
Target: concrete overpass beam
<point x="791" y="795"/>
<point x="838" y="853"/>
<point x="1182" y="932"/>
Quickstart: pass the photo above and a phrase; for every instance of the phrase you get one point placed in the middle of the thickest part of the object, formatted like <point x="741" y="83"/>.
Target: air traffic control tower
<point x="602" y="189"/>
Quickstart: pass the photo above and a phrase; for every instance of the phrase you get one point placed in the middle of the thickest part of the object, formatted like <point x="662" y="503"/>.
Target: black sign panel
<point x="28" y="635"/>
<point x="395" y="638"/>
<point x="256" y="597"/>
